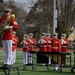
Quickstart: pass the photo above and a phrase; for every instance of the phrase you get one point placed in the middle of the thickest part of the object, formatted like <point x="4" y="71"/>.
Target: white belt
<point x="42" y="46"/>
<point x="64" y="46"/>
<point x="48" y="45"/>
<point x="25" y="46"/>
<point x="31" y="45"/>
<point x="54" y="47"/>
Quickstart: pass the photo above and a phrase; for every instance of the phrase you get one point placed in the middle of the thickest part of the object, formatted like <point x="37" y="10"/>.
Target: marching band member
<point x="48" y="46"/>
<point x="56" y="44"/>
<point x="8" y="24"/>
<point x="26" y="45"/>
<point x="31" y="48"/>
<point x="56" y="47"/>
<point x="42" y="42"/>
<point x="64" y="46"/>
<point x="14" y="46"/>
<point x="64" y="43"/>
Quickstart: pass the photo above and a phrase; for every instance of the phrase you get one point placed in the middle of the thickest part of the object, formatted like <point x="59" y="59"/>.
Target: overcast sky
<point x="19" y="0"/>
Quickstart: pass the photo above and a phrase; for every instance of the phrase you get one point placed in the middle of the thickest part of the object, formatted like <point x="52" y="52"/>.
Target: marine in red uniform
<point x="56" y="44"/>
<point x="56" y="47"/>
<point x="8" y="23"/>
<point x="64" y="47"/>
<point x="64" y="43"/>
<point x="42" y="47"/>
<point x="43" y="42"/>
<point x="14" y="46"/>
<point x="26" y="45"/>
<point x="32" y="42"/>
<point x="31" y="48"/>
<point x="48" y="46"/>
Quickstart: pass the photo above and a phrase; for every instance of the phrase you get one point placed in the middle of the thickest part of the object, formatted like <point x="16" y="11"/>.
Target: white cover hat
<point x="31" y="34"/>
<point x="8" y="10"/>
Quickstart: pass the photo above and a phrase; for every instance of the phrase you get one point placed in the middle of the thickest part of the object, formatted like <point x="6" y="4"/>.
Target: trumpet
<point x="3" y="25"/>
<point x="7" y="23"/>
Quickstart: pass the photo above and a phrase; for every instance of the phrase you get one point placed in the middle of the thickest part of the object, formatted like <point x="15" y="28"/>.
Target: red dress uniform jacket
<point x="15" y="42"/>
<point x="26" y="45"/>
<point x="32" y="43"/>
<point x="64" y="45"/>
<point x="48" y="46"/>
<point x="43" y="44"/>
<point x="7" y="35"/>
<point x="56" y="45"/>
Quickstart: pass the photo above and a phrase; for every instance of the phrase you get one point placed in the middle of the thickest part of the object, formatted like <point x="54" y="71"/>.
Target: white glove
<point x="65" y="42"/>
<point x="62" y="41"/>
<point x="25" y="43"/>
<point x="49" y="41"/>
<point x="22" y="42"/>
<point x="43" y="41"/>
<point x="39" y="41"/>
<point x="13" y="42"/>
<point x="8" y="27"/>
<point x="31" y="41"/>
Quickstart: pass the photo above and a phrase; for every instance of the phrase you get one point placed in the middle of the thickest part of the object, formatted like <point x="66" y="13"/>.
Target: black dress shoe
<point x="8" y="66"/>
<point x="3" y="66"/>
<point x="54" y="69"/>
<point x="25" y="68"/>
<point x="48" y="69"/>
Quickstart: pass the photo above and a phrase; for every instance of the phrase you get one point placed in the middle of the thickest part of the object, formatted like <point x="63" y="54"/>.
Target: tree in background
<point x="41" y="15"/>
<point x="1" y="1"/>
<point x="66" y="16"/>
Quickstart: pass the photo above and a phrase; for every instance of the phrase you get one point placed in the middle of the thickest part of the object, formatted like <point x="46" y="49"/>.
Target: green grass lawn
<point x="40" y="70"/>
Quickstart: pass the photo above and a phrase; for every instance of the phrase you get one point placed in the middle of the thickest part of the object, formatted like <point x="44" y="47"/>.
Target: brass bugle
<point x="12" y="16"/>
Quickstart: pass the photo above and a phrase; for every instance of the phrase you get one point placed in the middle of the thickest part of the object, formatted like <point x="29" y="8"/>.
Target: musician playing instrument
<point x="48" y="46"/>
<point x="64" y="43"/>
<point x="64" y="48"/>
<point x="8" y="24"/>
<point x="31" y="48"/>
<point x="56" y="44"/>
<point x="56" y="47"/>
<point x="43" y="42"/>
<point x="42" y="46"/>
<point x="26" y="45"/>
<point x="14" y="46"/>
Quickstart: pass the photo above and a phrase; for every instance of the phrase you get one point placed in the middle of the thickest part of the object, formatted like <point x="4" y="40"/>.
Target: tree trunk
<point x="1" y="1"/>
